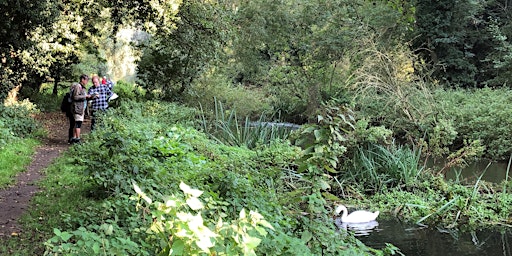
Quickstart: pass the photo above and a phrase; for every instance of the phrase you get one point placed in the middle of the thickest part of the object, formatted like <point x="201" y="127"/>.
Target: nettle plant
<point x="179" y="228"/>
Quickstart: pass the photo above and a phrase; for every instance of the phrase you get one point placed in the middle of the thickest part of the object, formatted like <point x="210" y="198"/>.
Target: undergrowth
<point x="136" y="145"/>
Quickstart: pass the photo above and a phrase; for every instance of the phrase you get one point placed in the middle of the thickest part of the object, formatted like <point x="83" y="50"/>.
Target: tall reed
<point x="393" y="165"/>
<point x="229" y="129"/>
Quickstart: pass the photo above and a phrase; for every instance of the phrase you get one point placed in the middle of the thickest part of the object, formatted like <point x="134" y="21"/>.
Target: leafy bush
<point x="480" y="114"/>
<point x="129" y="91"/>
<point x="210" y="91"/>
<point x="18" y="118"/>
<point x="106" y="239"/>
<point x="6" y="135"/>
<point x="175" y="229"/>
<point x="159" y="154"/>
<point x="336" y="136"/>
<point x="180" y="228"/>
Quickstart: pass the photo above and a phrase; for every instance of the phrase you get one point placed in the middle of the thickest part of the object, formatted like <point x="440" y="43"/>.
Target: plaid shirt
<point x="100" y="103"/>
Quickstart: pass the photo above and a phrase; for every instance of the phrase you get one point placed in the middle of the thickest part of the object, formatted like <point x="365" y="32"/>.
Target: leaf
<point x="318" y="135"/>
<point x="242" y="214"/>
<point x="251" y="242"/>
<point x="324" y="185"/>
<point x="178" y="247"/>
<point x="194" y="203"/>
<point x="330" y="169"/>
<point x="306" y="236"/>
<point x="205" y="244"/>
<point x="109" y="230"/>
<point x="190" y="191"/>
<point x="65" y="236"/>
<point x="96" y="248"/>
<point x="141" y="194"/>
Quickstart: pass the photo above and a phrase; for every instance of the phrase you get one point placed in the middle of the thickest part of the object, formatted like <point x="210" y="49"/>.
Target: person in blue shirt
<point x="110" y="84"/>
<point x="99" y="103"/>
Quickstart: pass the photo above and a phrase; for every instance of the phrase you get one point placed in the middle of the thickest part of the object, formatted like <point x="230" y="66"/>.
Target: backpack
<point x="65" y="105"/>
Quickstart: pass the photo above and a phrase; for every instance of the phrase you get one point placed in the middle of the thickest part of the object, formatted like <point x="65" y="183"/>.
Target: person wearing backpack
<point x="65" y="107"/>
<point x="80" y="97"/>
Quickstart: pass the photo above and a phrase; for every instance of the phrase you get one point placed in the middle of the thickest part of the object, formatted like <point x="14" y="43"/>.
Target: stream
<point x="416" y="240"/>
<point x="413" y="239"/>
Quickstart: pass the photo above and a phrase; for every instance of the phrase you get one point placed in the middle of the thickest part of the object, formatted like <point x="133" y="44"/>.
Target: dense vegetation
<point x="188" y="162"/>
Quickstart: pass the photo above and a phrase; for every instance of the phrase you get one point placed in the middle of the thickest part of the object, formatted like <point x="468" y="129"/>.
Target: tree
<point x="20" y="18"/>
<point x="298" y="51"/>
<point x="444" y="36"/>
<point x="175" y="56"/>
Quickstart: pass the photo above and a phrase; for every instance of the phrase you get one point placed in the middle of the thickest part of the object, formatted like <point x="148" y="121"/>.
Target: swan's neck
<point x="343" y="209"/>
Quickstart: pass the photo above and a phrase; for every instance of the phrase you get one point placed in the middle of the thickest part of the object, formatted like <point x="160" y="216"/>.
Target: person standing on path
<point x="100" y="102"/>
<point x="78" y="105"/>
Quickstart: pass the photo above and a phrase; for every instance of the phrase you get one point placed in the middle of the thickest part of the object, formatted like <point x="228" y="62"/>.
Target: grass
<point x="383" y="166"/>
<point x="230" y="130"/>
<point x="14" y="157"/>
<point x="64" y="193"/>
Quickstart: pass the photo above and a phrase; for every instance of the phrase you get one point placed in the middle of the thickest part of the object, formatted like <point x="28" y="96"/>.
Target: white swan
<point x="357" y="216"/>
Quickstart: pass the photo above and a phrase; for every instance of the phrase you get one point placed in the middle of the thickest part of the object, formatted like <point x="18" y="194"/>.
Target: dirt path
<point x="15" y="199"/>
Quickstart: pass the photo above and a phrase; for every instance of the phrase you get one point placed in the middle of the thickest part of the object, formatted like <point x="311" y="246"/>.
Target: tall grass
<point x="229" y="129"/>
<point x="380" y="166"/>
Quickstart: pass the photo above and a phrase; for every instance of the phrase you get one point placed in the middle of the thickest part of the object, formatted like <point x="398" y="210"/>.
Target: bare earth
<point x="15" y="199"/>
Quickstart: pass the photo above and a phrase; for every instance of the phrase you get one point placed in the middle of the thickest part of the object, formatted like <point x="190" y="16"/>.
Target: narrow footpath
<point x="15" y="199"/>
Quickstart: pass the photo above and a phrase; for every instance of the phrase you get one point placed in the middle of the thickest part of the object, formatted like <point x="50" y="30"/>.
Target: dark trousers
<point x="71" y="126"/>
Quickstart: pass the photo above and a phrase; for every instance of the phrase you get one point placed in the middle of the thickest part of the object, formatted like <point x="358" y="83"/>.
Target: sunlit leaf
<point x="251" y="242"/>
<point x="190" y="191"/>
<point x="194" y="203"/>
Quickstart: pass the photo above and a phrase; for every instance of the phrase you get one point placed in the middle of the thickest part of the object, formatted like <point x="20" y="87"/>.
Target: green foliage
<point x="15" y="39"/>
<point x="129" y="91"/>
<point x="179" y="228"/>
<point x="105" y="239"/>
<point x="231" y="131"/>
<point x="136" y="129"/>
<point x="500" y="59"/>
<point x="479" y="115"/>
<point x="299" y="56"/>
<point x="376" y="167"/>
<point x="334" y="137"/>
<point x="18" y="119"/>
<point x="6" y="135"/>
<point x="158" y="154"/>
<point x="15" y="155"/>
<point x="177" y="55"/>
<point x="445" y="39"/>
<point x="207" y="91"/>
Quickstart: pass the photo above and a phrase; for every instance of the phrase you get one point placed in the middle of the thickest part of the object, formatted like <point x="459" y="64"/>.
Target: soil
<point x="15" y="199"/>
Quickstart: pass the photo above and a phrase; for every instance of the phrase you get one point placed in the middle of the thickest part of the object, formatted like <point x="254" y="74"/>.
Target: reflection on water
<point x="494" y="172"/>
<point x="415" y="240"/>
<point x="359" y="229"/>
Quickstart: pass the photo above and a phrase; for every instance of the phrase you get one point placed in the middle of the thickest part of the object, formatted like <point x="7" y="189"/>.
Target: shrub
<point x="158" y="154"/>
<point x="480" y="114"/>
<point x="208" y="92"/>
<point x="18" y="118"/>
<point x="129" y="91"/>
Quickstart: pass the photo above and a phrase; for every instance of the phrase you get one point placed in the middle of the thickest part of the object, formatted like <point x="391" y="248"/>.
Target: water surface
<point x="416" y="240"/>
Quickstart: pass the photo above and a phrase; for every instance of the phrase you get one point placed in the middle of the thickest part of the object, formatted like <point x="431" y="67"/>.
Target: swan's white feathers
<point x="359" y="216"/>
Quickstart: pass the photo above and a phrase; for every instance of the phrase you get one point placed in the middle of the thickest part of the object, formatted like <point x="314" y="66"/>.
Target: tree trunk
<point x="55" y="85"/>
